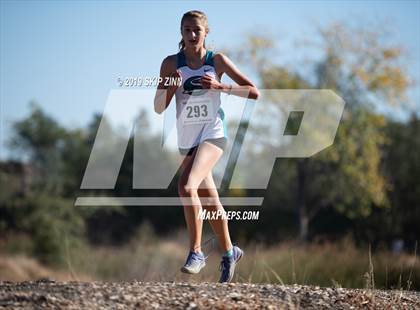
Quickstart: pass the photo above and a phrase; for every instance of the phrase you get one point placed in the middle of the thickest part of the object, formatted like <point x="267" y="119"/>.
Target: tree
<point x="39" y="139"/>
<point x="365" y="70"/>
<point x="402" y="168"/>
<point x="49" y="218"/>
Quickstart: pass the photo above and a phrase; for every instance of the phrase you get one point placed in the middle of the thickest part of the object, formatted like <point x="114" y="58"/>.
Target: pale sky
<point x="68" y="55"/>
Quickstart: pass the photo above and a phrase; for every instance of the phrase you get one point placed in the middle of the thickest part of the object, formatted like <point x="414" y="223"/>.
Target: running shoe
<point x="227" y="266"/>
<point x="195" y="262"/>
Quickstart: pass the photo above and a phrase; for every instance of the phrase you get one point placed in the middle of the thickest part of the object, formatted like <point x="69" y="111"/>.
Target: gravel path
<point x="120" y="295"/>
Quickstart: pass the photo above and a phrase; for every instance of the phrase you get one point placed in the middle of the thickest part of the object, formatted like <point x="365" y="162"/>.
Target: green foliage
<point x="361" y="67"/>
<point x="45" y="211"/>
<point x="38" y="133"/>
<point x="348" y="175"/>
<point x="277" y="77"/>
<point x="54" y="224"/>
<point x="40" y="139"/>
<point x="74" y="156"/>
<point x="402" y="167"/>
<point x="362" y="62"/>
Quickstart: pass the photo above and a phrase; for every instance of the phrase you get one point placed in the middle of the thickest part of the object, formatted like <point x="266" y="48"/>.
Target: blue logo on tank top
<point x="192" y="86"/>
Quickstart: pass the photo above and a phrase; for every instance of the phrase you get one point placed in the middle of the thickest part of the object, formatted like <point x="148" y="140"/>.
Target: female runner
<point x="201" y="133"/>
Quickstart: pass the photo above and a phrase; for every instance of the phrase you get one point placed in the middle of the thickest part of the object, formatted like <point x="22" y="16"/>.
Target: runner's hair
<point x="194" y="14"/>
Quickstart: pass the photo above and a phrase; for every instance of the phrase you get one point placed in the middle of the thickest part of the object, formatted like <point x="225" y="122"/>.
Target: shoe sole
<point x="191" y="271"/>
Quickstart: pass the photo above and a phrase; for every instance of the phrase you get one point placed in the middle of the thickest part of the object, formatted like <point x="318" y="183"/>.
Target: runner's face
<point x="193" y="32"/>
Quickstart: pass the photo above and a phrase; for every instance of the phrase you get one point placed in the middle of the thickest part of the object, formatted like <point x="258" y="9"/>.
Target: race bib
<point x="198" y="111"/>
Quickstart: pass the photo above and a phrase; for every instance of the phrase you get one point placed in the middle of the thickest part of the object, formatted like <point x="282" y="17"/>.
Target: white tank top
<point x="198" y="112"/>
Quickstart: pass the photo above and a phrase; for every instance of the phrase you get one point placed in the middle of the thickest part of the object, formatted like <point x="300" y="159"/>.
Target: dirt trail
<point x="118" y="295"/>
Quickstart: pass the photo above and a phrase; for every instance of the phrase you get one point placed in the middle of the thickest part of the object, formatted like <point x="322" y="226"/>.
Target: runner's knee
<point x="210" y="202"/>
<point x="190" y="190"/>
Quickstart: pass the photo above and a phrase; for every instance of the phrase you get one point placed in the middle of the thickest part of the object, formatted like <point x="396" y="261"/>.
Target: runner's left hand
<point x="209" y="82"/>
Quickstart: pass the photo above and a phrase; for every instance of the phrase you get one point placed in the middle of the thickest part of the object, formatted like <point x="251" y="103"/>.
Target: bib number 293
<point x="198" y="112"/>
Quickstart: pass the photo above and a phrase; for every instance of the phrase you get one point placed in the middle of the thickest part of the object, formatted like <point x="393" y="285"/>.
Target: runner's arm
<point x="245" y="87"/>
<point x="164" y="93"/>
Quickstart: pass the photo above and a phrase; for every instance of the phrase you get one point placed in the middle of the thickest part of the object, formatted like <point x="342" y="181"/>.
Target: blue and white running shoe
<point x="227" y="266"/>
<point x="195" y="262"/>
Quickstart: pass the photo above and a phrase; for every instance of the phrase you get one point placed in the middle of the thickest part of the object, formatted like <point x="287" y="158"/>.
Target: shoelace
<point x="198" y="258"/>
